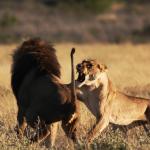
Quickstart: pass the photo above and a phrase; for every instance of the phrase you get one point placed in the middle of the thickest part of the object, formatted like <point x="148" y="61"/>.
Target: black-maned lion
<point x="39" y="92"/>
<point x="107" y="104"/>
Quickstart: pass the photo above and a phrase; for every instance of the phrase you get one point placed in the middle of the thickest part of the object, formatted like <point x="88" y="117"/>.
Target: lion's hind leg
<point x="70" y="129"/>
<point x="34" y="121"/>
<point x="21" y="126"/>
<point x="42" y="131"/>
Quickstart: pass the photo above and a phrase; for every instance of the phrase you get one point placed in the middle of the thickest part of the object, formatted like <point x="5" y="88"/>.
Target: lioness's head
<point x="89" y="70"/>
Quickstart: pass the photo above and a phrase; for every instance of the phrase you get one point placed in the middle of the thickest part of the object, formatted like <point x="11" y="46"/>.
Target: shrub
<point x="90" y="5"/>
<point x="8" y="20"/>
<point x="97" y="5"/>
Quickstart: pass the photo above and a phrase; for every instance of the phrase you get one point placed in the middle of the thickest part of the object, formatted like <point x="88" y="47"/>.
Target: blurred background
<point x="79" y="21"/>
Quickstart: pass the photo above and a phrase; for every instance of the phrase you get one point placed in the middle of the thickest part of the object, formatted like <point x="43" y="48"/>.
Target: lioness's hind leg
<point x="147" y="114"/>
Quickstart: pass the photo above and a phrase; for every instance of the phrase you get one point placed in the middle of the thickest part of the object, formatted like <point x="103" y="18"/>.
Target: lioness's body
<point x="126" y="109"/>
<point x="105" y="102"/>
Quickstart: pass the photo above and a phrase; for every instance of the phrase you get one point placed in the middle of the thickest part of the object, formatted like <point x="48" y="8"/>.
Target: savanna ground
<point x="128" y="68"/>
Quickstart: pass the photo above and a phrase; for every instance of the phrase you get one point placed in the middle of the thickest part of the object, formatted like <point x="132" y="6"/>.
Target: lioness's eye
<point x="89" y="66"/>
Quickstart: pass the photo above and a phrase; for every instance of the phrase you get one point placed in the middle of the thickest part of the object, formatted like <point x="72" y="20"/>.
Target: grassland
<point x="128" y="68"/>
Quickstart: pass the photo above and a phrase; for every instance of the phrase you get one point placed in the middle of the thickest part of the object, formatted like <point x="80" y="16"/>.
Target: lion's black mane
<point x="33" y="53"/>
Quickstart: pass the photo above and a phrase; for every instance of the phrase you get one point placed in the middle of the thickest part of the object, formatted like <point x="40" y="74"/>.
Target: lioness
<point x="104" y="101"/>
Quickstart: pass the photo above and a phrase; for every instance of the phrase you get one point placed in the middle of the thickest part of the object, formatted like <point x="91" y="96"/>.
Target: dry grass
<point x="129" y="70"/>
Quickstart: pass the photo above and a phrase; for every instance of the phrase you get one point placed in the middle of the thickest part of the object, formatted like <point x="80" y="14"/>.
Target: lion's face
<point x="89" y="70"/>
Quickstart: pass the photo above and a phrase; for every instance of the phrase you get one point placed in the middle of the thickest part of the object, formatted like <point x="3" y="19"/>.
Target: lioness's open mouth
<point x="81" y="77"/>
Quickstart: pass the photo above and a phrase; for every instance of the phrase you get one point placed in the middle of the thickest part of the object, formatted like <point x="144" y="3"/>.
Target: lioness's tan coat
<point x="104" y="101"/>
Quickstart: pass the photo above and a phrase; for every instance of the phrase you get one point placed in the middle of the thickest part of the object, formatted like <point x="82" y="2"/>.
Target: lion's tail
<point x="33" y="53"/>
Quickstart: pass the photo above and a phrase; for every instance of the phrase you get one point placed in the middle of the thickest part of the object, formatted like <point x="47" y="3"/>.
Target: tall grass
<point x="128" y="68"/>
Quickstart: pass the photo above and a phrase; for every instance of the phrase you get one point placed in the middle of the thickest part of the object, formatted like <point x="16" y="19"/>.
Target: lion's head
<point x="89" y="71"/>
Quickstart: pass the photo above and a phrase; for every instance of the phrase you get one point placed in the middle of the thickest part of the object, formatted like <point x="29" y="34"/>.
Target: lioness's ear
<point x="98" y="66"/>
<point x="105" y="67"/>
<point x="102" y="67"/>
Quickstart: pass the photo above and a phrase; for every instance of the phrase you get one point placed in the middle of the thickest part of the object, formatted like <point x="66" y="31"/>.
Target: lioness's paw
<point x="89" y="139"/>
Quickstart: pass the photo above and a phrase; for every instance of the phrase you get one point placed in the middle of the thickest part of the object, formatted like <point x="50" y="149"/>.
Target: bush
<point x="8" y="20"/>
<point x="97" y="5"/>
<point x="90" y="5"/>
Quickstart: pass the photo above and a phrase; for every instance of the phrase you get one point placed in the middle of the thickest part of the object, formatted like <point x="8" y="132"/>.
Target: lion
<point x="40" y="93"/>
<point x="107" y="104"/>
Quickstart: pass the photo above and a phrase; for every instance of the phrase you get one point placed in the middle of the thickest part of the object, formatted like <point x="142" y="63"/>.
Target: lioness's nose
<point x="85" y="71"/>
<point x="79" y="66"/>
